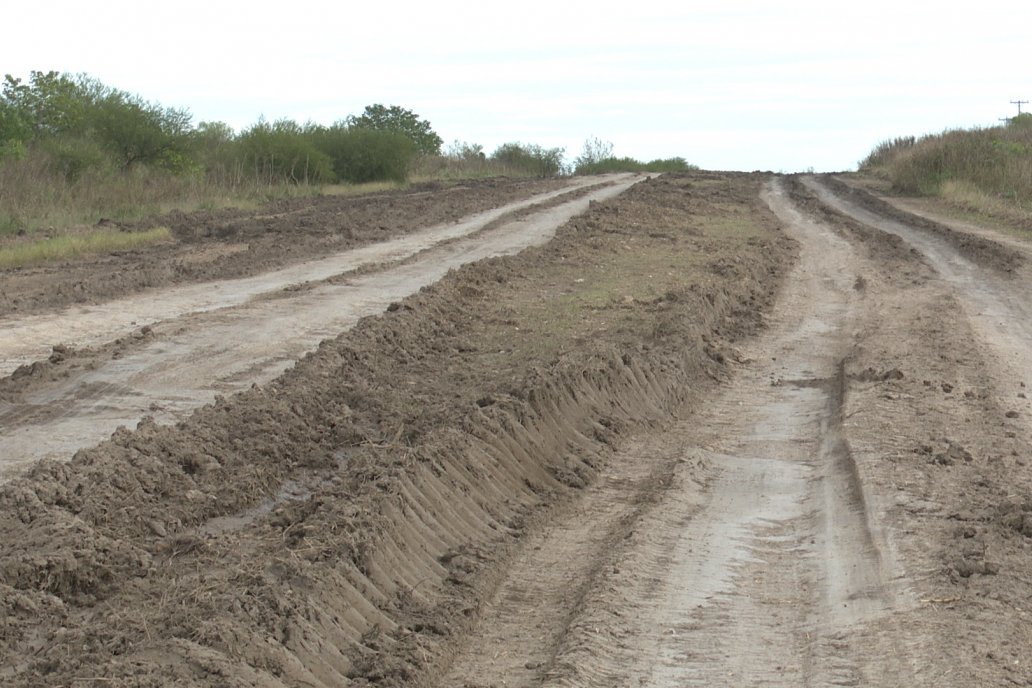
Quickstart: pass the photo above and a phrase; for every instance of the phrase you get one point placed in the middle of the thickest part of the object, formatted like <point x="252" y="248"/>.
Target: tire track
<point x="188" y="362"/>
<point x="758" y="561"/>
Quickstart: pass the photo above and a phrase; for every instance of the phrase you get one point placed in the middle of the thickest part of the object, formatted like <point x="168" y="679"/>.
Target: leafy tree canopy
<point x="400" y="121"/>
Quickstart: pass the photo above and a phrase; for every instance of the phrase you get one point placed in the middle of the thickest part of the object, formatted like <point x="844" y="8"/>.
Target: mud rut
<point x="218" y="338"/>
<point x="744" y="545"/>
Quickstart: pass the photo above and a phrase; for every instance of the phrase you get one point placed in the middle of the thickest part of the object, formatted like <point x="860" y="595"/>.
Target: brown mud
<point x="338" y="525"/>
<point x="223" y="244"/>
<point x="948" y="435"/>
<point x="723" y="429"/>
<point x="225" y="336"/>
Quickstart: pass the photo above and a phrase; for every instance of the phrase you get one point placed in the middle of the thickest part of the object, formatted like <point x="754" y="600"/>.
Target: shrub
<point x="994" y="160"/>
<point x="595" y="151"/>
<point x="530" y="159"/>
<point x="610" y="165"/>
<point x="283" y="151"/>
<point x="73" y="157"/>
<point x="138" y="132"/>
<point x="360" y="155"/>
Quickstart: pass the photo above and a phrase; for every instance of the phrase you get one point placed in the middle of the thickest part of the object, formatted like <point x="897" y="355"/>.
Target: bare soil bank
<point x="339" y="524"/>
<point x="229" y="243"/>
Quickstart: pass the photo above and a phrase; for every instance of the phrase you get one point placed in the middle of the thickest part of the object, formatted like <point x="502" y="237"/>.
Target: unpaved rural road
<point x="847" y="504"/>
<point x="221" y="337"/>
<point x="750" y="545"/>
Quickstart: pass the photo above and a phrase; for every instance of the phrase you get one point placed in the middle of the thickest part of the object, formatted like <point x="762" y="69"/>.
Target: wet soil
<point x="722" y="429"/>
<point x="228" y="243"/>
<point x="225" y="336"/>
<point x="328" y="526"/>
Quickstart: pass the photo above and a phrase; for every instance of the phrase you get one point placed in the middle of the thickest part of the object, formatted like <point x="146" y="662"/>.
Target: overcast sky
<point x="726" y="84"/>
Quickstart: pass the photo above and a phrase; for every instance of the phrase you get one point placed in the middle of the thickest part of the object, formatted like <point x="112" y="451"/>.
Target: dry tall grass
<point x="995" y="162"/>
<point x="445" y="167"/>
<point x="36" y="194"/>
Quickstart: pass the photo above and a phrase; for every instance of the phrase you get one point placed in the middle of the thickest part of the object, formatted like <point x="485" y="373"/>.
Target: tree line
<point x="78" y="124"/>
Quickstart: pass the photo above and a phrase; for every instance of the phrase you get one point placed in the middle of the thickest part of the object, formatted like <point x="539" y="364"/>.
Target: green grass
<point x="67" y="246"/>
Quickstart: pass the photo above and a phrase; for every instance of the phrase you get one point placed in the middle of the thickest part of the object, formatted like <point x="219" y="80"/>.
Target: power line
<point x="1019" y="103"/>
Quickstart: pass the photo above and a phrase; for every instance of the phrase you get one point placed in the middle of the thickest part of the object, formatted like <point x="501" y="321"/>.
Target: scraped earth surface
<point x="187" y="344"/>
<point x="227" y="243"/>
<point x="720" y="430"/>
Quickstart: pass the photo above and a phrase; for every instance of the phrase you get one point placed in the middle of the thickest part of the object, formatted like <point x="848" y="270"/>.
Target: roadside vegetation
<point x="75" y="152"/>
<point x="597" y="158"/>
<point x="986" y="170"/>
<point x="73" y="245"/>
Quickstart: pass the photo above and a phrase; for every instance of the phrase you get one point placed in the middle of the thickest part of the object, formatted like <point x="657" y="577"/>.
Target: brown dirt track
<point x="724" y="429"/>
<point x="229" y="243"/>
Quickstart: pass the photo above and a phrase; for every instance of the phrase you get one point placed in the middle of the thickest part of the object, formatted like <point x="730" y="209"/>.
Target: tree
<point x="136" y="131"/>
<point x="595" y="151"/>
<point x="399" y="121"/>
<point x="52" y="103"/>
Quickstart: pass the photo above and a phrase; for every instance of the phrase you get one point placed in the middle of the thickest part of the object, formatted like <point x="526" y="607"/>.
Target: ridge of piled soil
<point x="339" y="524"/>
<point x="983" y="251"/>
<point x="229" y="243"/>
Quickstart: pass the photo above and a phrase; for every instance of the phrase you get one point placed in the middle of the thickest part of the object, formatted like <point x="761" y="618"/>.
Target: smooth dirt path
<point x="739" y="548"/>
<point x="219" y="348"/>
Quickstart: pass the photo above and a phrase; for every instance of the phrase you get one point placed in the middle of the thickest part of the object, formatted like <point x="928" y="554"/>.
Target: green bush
<point x="398" y="120"/>
<point x="360" y="155"/>
<point x="610" y="165"/>
<point x="676" y="164"/>
<point x="530" y="159"/>
<point x="74" y="157"/>
<point x="137" y="132"/>
<point x="284" y="151"/>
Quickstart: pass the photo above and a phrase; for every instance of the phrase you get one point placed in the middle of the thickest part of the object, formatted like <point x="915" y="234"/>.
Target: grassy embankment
<point x="979" y="171"/>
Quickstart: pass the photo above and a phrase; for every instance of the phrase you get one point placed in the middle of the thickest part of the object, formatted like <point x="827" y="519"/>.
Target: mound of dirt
<point x="330" y="527"/>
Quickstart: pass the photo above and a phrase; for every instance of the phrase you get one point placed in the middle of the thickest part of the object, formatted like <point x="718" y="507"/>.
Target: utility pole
<point x="1019" y="103"/>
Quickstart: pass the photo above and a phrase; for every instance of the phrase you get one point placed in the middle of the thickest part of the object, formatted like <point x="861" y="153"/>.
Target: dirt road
<point x="750" y="544"/>
<point x="224" y="336"/>
<point x="736" y="548"/>
<point x="721" y="430"/>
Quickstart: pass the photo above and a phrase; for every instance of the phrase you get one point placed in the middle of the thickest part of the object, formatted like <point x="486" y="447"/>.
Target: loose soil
<point x="722" y="429"/>
<point x="228" y="243"/>
<point x="225" y="336"/>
